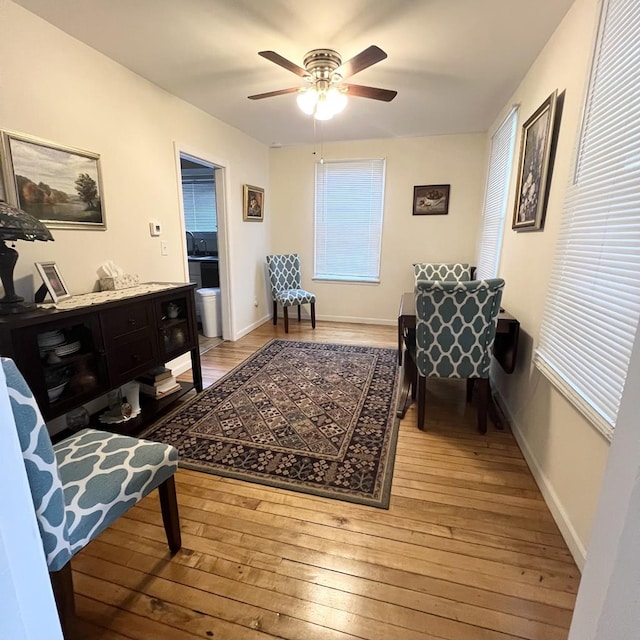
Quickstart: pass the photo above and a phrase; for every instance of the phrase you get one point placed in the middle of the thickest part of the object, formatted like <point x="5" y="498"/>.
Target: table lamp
<point x="15" y="224"/>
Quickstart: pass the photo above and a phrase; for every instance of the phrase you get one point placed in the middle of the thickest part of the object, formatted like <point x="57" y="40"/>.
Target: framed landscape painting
<point x="60" y="186"/>
<point x="533" y="171"/>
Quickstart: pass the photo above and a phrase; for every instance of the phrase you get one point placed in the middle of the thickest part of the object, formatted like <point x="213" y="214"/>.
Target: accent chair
<point x="455" y="330"/>
<point x="285" y="279"/>
<point x="84" y="483"/>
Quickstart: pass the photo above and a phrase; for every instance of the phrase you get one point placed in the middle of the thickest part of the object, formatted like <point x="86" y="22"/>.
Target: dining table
<point x="505" y="349"/>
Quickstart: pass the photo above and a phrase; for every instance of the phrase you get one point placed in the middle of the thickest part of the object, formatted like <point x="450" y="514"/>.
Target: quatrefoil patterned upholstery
<point x="83" y="483"/>
<point x="456" y="326"/>
<point x="284" y="275"/>
<point x="455" y="272"/>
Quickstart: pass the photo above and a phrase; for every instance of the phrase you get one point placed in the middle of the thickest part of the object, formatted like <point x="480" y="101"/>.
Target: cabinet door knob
<point x="135" y="357"/>
<point x="132" y="321"/>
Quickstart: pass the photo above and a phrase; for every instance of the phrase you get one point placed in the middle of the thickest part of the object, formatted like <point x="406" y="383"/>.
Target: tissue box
<point x="118" y="282"/>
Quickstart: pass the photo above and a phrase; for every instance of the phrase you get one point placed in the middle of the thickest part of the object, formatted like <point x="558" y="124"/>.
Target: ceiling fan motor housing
<point x="321" y="63"/>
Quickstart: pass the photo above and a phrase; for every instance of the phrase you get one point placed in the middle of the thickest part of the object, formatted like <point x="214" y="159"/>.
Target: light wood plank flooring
<point x="467" y="551"/>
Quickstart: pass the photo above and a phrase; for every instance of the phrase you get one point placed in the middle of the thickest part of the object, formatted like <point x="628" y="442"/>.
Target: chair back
<point x="449" y="272"/>
<point x="456" y="326"/>
<point x="41" y="467"/>
<point x="284" y="272"/>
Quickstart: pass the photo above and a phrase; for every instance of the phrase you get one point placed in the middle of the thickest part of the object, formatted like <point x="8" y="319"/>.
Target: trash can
<point x="209" y="310"/>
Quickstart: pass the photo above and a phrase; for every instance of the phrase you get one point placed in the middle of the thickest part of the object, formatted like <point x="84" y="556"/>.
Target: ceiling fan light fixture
<point x="337" y="99"/>
<point x="307" y="100"/>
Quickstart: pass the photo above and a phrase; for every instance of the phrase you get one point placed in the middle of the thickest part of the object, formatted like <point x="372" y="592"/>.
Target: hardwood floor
<point x="467" y="550"/>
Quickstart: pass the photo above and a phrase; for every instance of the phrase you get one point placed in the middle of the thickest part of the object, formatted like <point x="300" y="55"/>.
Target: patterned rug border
<point x="247" y="476"/>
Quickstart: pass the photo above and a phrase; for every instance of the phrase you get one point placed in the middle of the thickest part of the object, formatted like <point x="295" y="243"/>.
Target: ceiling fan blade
<point x="283" y="62"/>
<point x="364" y="59"/>
<point x="375" y="93"/>
<point x="271" y="94"/>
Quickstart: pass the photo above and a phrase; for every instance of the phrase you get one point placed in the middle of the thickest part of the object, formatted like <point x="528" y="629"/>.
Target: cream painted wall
<point x="566" y="453"/>
<point x="457" y="160"/>
<point x="63" y="91"/>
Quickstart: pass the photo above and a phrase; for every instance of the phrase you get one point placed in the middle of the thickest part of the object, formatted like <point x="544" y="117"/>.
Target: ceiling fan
<point x="324" y="71"/>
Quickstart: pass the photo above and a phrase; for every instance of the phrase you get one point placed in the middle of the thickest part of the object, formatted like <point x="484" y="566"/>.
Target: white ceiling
<point x="454" y="63"/>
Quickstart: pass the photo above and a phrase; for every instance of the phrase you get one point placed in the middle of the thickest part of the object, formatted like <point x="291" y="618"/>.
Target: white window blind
<point x="348" y="219"/>
<point x="199" y="202"/>
<point x="593" y="306"/>
<point x="495" y="200"/>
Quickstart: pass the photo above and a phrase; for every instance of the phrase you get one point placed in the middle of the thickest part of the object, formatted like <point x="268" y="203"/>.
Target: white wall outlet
<point x="164" y="247"/>
<point x="155" y="228"/>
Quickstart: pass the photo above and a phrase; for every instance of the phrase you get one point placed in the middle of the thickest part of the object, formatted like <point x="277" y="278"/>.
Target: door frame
<point x="221" y="171"/>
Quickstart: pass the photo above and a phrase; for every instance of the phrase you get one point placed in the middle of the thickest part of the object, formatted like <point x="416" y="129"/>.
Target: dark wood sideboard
<point x="115" y="341"/>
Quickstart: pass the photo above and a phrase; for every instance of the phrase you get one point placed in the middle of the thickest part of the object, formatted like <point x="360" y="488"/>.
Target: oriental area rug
<point x="306" y="416"/>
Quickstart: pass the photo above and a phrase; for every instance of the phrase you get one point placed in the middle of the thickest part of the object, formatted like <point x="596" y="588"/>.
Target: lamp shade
<point x="16" y="224"/>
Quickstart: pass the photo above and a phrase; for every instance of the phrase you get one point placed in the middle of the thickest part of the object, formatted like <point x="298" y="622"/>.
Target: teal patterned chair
<point x="455" y="329"/>
<point x="84" y="483"/>
<point x="449" y="272"/>
<point x="284" y="276"/>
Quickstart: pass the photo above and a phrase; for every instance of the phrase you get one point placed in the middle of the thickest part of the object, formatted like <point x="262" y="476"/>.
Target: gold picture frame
<point x="253" y="203"/>
<point x="534" y="172"/>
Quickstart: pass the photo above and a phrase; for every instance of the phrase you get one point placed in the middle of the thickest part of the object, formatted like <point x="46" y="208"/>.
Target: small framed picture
<point x="431" y="200"/>
<point x="53" y="280"/>
<point x="253" y="208"/>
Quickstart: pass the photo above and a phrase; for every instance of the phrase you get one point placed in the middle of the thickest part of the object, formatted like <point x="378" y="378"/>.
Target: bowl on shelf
<point x="55" y="392"/>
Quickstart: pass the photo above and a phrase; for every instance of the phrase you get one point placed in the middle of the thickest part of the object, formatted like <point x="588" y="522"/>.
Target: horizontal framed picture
<point x="53" y="280"/>
<point x="431" y="200"/>
<point x="253" y="208"/>
<point x="59" y="185"/>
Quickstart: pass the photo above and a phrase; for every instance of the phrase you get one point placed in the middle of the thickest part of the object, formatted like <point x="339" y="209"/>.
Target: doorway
<point x="204" y="241"/>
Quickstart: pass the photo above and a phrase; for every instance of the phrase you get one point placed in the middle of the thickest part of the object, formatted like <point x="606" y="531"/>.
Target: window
<point x="593" y="306"/>
<point x="199" y="199"/>
<point x="348" y="219"/>
<point x="495" y="200"/>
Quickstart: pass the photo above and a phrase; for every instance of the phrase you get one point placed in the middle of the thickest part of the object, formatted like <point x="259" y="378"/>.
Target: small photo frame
<point x="253" y="207"/>
<point x="53" y="281"/>
<point x="431" y="200"/>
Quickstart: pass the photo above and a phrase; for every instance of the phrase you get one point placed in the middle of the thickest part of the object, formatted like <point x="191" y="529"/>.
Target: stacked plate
<point x="49" y="341"/>
<point x="67" y="348"/>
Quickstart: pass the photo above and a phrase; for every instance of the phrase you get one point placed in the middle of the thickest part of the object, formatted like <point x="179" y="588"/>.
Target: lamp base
<point x="9" y="307"/>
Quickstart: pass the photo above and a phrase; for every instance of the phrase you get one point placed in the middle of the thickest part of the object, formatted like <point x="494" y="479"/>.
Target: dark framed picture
<point x="60" y="186"/>
<point x="534" y="174"/>
<point x="253" y="207"/>
<point x="431" y="200"/>
<point x="53" y="280"/>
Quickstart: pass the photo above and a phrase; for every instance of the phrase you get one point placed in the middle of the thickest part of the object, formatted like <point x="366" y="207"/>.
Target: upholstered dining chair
<point x="285" y="279"/>
<point x="449" y="272"/>
<point x="85" y="482"/>
<point x="455" y="329"/>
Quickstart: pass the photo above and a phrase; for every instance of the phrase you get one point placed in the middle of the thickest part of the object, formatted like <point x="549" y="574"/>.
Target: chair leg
<point x="413" y="372"/>
<point x="299" y="314"/>
<point x="422" y="401"/>
<point x="62" y="584"/>
<point x="170" y="515"/>
<point x="470" y="382"/>
<point x="313" y="315"/>
<point x="275" y="312"/>
<point x="285" y="313"/>
<point x="483" y="403"/>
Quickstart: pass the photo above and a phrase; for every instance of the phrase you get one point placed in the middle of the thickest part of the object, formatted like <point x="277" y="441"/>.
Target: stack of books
<point x="158" y="382"/>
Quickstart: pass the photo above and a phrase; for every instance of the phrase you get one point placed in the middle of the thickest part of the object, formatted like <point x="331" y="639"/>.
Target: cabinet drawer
<point x="119" y="322"/>
<point x="131" y="355"/>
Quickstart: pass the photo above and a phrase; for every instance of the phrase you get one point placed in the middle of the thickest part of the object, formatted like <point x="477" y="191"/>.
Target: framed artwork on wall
<point x="60" y="186"/>
<point x="253" y="207"/>
<point x="431" y="200"/>
<point x="53" y="280"/>
<point x="534" y="174"/>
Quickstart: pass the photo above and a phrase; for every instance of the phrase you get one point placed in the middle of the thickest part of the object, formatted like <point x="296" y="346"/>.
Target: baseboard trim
<point x="243" y="332"/>
<point x="354" y="320"/>
<point x="558" y="511"/>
